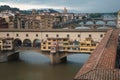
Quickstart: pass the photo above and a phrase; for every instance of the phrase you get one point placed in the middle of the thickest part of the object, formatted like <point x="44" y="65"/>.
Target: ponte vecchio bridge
<point x="104" y="62"/>
<point x="31" y="39"/>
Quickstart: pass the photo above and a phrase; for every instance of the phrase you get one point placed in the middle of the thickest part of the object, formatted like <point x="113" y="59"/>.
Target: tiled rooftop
<point x="101" y="63"/>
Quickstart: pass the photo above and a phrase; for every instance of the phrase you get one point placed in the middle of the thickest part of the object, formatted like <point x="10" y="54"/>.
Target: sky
<point x="71" y="5"/>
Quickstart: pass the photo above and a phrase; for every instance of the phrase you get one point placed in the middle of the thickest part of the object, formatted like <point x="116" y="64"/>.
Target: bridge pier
<point x="3" y="57"/>
<point x="8" y="56"/>
<point x="55" y="58"/>
<point x="14" y="56"/>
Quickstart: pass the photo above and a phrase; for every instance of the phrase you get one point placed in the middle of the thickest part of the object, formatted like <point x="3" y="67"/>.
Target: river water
<point x="35" y="66"/>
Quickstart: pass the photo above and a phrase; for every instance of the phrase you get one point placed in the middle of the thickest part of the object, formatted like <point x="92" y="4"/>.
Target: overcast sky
<point x="79" y="5"/>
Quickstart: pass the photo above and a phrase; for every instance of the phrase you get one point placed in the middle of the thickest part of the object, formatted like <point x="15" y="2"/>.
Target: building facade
<point x="3" y="23"/>
<point x="54" y="45"/>
<point x="118" y="20"/>
<point x="34" y="38"/>
<point x="6" y="44"/>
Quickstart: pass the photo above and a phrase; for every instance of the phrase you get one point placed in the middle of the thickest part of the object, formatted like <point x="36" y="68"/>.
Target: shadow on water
<point x="34" y="57"/>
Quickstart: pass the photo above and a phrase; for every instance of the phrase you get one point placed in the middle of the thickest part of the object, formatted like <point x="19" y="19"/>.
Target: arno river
<point x="34" y="66"/>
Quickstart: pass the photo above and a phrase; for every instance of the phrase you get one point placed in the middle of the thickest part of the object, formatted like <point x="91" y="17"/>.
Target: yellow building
<point x="7" y="44"/>
<point x="88" y="45"/>
<point x="1" y="44"/>
<point x="54" y="45"/>
<point x="60" y="44"/>
<point x="57" y="43"/>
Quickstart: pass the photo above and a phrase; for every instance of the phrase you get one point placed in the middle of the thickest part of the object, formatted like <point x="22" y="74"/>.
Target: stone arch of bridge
<point x="36" y="43"/>
<point x="81" y="23"/>
<point x="17" y="42"/>
<point x="89" y="22"/>
<point x="111" y="22"/>
<point x="100" y="22"/>
<point x="27" y="43"/>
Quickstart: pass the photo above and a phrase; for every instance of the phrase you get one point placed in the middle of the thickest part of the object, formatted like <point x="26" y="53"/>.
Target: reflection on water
<point x="34" y="58"/>
<point x="35" y="66"/>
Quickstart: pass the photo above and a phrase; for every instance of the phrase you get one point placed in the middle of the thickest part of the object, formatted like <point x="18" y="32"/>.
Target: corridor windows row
<point x="27" y="35"/>
<point x="57" y="35"/>
<point x="90" y="36"/>
<point x="17" y="35"/>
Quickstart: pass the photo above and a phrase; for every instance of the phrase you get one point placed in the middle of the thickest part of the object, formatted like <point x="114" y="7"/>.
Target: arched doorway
<point x="27" y="43"/>
<point x="37" y="43"/>
<point x="17" y="43"/>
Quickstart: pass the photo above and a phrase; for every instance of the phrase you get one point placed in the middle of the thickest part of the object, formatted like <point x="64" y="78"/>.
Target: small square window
<point x="90" y="35"/>
<point x="46" y="35"/>
<point x="7" y="34"/>
<point x="57" y="35"/>
<point x="26" y="35"/>
<point x="44" y="47"/>
<point x="101" y="35"/>
<point x="36" y="35"/>
<point x="78" y="35"/>
<point x="68" y="35"/>
<point x="17" y="35"/>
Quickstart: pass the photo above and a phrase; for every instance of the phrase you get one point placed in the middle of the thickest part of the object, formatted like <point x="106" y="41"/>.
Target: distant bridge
<point x="98" y="22"/>
<point x="88" y="23"/>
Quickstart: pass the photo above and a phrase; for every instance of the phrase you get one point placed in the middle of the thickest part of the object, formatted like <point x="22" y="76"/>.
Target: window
<point x="49" y="43"/>
<point x="88" y="44"/>
<point x="7" y="34"/>
<point x="64" y="39"/>
<point x="93" y="44"/>
<point x="44" y="43"/>
<point x="44" y="47"/>
<point x="36" y="35"/>
<point x="91" y="49"/>
<point x="49" y="39"/>
<point x="46" y="35"/>
<point x="68" y="35"/>
<point x="17" y="35"/>
<point x="78" y="35"/>
<point x="57" y="35"/>
<point x="90" y="35"/>
<point x="26" y="35"/>
<point x="54" y="39"/>
<point x="101" y="35"/>
<point x="49" y="47"/>
<point x="68" y="48"/>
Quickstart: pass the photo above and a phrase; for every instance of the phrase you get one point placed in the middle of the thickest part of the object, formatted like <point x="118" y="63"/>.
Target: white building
<point x="5" y="14"/>
<point x="6" y="44"/>
<point x="118" y="20"/>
